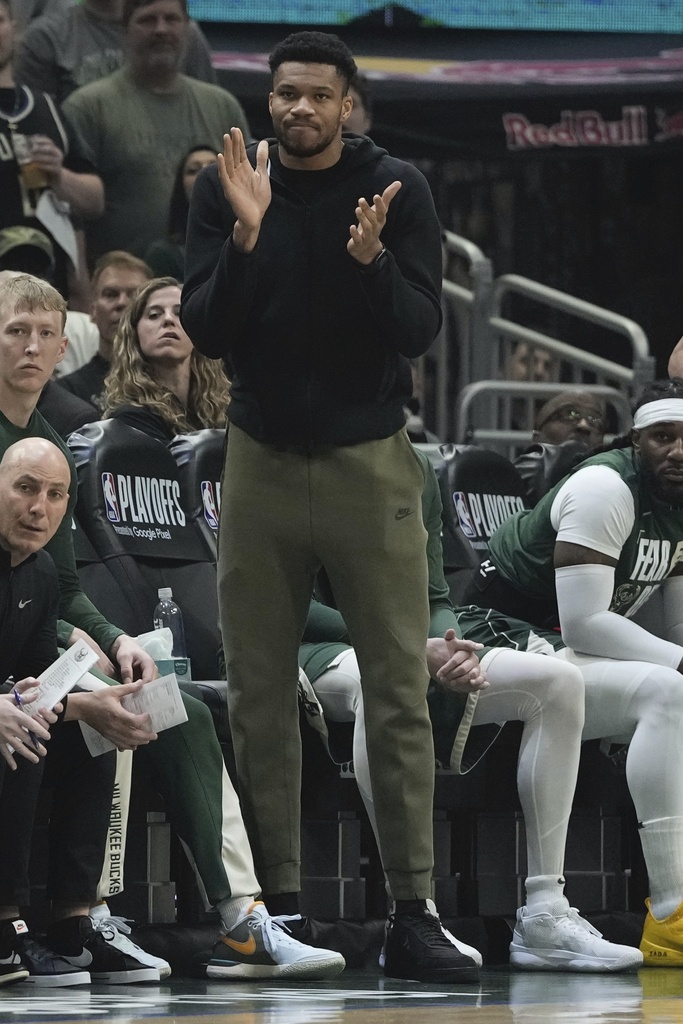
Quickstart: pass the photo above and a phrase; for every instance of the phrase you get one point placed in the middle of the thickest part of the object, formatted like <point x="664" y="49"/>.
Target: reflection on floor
<point x="502" y="997"/>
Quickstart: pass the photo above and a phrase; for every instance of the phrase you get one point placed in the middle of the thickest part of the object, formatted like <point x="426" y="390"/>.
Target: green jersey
<point x="651" y="541"/>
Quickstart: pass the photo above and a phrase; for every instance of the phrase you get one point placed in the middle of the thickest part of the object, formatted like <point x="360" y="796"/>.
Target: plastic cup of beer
<point x="32" y="175"/>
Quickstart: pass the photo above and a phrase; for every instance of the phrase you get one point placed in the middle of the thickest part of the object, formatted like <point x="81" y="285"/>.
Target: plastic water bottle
<point x="167" y="613"/>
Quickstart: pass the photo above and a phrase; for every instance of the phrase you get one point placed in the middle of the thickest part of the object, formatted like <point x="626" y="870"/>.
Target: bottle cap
<point x="165" y="593"/>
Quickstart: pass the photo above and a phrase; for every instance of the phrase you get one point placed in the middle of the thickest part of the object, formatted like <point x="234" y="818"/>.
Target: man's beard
<point x="669" y="492"/>
<point x="164" y="58"/>
<point x="294" y="149"/>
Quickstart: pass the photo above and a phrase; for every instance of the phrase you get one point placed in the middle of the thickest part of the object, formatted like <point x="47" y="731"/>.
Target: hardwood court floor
<point x="361" y="997"/>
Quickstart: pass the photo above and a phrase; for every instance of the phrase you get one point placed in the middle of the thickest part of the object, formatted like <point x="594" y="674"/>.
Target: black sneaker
<point x="77" y="942"/>
<point x="416" y="949"/>
<point x="36" y="964"/>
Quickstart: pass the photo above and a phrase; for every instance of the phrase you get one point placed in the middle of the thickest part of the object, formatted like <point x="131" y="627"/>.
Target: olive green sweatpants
<point x="356" y="510"/>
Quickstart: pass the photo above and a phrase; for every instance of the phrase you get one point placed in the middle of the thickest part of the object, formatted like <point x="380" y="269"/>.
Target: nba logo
<point x="111" y="502"/>
<point x="209" y="503"/>
<point x="463" y="513"/>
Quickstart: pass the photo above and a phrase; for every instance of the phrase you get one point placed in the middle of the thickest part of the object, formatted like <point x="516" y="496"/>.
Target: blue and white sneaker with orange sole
<point x="260" y="946"/>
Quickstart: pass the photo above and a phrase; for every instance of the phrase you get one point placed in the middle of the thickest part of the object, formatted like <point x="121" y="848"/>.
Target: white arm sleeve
<point x="672" y="592"/>
<point x="594" y="509"/>
<point x="584" y="594"/>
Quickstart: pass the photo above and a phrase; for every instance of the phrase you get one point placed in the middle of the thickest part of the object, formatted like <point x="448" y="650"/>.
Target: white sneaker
<point x="260" y="946"/>
<point x="116" y="931"/>
<point x="561" y="940"/>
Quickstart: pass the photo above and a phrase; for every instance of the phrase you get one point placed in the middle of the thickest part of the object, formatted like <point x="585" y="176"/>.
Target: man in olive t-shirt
<point x="139" y="122"/>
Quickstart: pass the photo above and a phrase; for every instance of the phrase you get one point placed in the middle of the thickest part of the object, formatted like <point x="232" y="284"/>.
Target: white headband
<point x="665" y="410"/>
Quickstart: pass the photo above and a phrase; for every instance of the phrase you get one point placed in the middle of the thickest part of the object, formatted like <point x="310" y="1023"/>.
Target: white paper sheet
<point x="160" y="699"/>
<point x="61" y="676"/>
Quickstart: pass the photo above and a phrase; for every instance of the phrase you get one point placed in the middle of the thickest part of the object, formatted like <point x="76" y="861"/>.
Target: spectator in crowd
<point x="139" y="121"/>
<point x="116" y="278"/>
<point x="83" y="42"/>
<point x="525" y="362"/>
<point x="166" y="256"/>
<point x="319" y="321"/>
<point x="43" y="168"/>
<point x="185" y="761"/>
<point x="157" y="381"/>
<point x="485" y="686"/>
<point x="34" y="494"/>
<point x="571" y="416"/>
<point x="25" y="11"/>
<point x="589" y="558"/>
<point x="569" y="427"/>
<point x="359" y="120"/>
<point x="27" y="250"/>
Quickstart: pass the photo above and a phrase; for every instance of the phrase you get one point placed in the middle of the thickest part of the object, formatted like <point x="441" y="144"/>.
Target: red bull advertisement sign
<point x="636" y="126"/>
<point x="578" y="128"/>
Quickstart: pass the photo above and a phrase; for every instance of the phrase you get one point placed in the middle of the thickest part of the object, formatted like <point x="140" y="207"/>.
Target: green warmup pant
<point x="186" y="765"/>
<point x="356" y="510"/>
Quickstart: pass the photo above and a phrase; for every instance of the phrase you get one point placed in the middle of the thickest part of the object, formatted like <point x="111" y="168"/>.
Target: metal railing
<point x="466" y="309"/>
<point x="486" y="339"/>
<point x="510" y="439"/>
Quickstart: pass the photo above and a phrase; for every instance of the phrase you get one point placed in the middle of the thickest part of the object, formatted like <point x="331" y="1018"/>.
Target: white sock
<point x="543" y="892"/>
<point x="662" y="842"/>
<point x="233" y="910"/>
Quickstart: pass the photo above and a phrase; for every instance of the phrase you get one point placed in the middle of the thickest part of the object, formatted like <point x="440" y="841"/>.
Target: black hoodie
<point x="318" y="349"/>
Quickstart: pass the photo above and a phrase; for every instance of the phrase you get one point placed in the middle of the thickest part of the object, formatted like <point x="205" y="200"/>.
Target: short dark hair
<point x="131" y="6"/>
<point x="315" y="48"/>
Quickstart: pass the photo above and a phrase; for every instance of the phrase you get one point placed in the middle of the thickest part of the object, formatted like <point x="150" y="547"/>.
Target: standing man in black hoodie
<point x="313" y="266"/>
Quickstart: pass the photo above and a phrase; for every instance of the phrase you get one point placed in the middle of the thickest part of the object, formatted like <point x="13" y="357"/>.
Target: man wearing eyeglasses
<point x="571" y="416"/>
<point x="569" y="427"/>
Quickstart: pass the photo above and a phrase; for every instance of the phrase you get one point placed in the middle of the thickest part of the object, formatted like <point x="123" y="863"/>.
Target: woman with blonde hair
<point x="158" y="382"/>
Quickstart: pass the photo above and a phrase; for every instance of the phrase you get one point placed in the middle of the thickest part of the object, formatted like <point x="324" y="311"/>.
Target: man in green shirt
<point x="502" y="670"/>
<point x="141" y="120"/>
<point x="600" y="556"/>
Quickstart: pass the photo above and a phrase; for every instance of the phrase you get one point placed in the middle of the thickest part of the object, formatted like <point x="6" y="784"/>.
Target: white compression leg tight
<point x="643" y="703"/>
<point x="529" y="688"/>
<point x="546" y="694"/>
